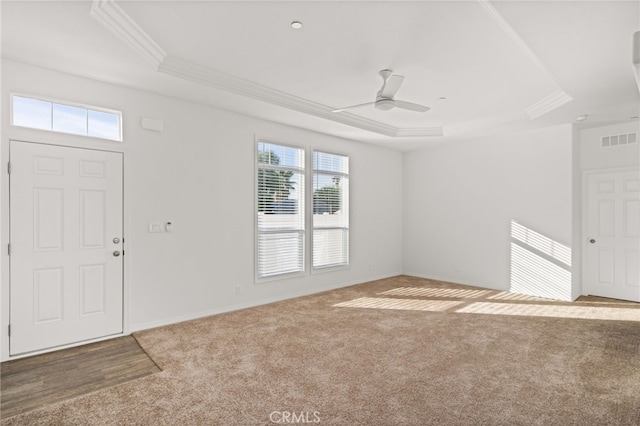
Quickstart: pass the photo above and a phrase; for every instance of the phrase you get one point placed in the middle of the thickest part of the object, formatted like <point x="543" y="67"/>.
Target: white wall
<point x="460" y="200"/>
<point x="594" y="156"/>
<point x="447" y="210"/>
<point x="199" y="174"/>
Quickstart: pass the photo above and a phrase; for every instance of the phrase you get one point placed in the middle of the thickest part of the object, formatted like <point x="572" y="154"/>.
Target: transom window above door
<point x="68" y="118"/>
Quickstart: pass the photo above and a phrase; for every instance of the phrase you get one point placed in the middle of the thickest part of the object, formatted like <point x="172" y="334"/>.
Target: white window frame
<point x="87" y="108"/>
<point x="345" y="200"/>
<point x="301" y="205"/>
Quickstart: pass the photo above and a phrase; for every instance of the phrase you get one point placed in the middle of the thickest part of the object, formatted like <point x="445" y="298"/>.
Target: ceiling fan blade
<point x="411" y="106"/>
<point x="391" y="86"/>
<point x="352" y="106"/>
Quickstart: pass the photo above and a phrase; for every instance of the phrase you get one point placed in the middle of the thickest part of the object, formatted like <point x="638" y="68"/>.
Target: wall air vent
<point x="617" y="140"/>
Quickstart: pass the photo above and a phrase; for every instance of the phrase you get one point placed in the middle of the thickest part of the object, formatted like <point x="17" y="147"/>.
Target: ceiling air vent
<point x="617" y="140"/>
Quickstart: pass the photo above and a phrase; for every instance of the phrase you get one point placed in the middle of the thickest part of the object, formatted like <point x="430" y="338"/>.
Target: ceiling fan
<point x="384" y="98"/>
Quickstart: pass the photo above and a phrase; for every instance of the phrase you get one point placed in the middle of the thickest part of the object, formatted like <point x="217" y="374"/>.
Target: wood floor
<point x="37" y="381"/>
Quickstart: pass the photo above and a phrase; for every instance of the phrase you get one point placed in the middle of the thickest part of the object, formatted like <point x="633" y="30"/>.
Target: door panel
<point x="631" y="218"/>
<point x="613" y="234"/>
<point x="93" y="216"/>
<point x="606" y="261"/>
<point x="48" y="219"/>
<point x="606" y="218"/>
<point x="92" y="288"/>
<point x="48" y="286"/>
<point x="66" y="208"/>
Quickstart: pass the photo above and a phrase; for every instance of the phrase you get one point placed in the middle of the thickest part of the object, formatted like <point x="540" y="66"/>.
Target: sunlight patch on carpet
<point x="437" y="292"/>
<point x="578" y="312"/>
<point x="498" y="303"/>
<point x="402" y="304"/>
<point x="507" y="295"/>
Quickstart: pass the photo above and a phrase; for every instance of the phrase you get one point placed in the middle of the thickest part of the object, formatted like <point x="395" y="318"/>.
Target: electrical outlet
<point x="238" y="290"/>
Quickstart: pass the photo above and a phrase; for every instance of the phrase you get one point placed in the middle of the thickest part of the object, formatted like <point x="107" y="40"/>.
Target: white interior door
<point x="66" y="245"/>
<point x="613" y="234"/>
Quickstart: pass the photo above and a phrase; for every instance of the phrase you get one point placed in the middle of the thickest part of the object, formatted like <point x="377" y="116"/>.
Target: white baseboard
<point x="248" y="304"/>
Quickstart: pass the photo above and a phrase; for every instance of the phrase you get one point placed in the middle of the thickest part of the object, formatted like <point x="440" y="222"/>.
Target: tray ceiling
<point x="483" y="67"/>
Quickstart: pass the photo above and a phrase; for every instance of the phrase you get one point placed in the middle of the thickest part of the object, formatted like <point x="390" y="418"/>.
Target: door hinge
<point x="9" y="167"/>
<point x="9" y="249"/>
<point x="9" y="327"/>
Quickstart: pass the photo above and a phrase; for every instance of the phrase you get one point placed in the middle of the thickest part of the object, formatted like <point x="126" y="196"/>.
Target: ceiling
<point x="483" y="67"/>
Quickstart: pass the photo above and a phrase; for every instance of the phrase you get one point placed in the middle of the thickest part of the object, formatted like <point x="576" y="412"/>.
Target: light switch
<point x="156" y="227"/>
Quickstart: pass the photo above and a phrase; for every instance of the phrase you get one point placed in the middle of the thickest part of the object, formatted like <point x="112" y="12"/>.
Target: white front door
<point x="66" y="245"/>
<point x="613" y="234"/>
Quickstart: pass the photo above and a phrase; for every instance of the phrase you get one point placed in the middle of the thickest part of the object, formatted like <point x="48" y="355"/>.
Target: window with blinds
<point x="330" y="210"/>
<point x="280" y="210"/>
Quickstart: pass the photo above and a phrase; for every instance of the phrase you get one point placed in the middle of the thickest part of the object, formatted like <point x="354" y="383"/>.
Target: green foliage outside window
<point x="328" y="199"/>
<point x="273" y="185"/>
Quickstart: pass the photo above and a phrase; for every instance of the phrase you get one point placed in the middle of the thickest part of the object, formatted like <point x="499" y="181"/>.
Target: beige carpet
<point x="399" y="351"/>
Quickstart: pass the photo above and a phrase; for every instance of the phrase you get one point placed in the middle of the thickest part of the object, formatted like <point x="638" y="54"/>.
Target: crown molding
<point x="548" y="104"/>
<point x="420" y="132"/>
<point x="116" y="20"/>
<point x="482" y="125"/>
<point x="513" y="35"/>
<point x="210" y="77"/>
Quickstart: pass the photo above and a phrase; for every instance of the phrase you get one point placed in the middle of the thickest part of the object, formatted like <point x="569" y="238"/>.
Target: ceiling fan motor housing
<point x="385" y="104"/>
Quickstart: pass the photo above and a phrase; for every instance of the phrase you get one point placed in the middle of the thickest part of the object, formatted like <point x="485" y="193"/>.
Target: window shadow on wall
<point x="540" y="266"/>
